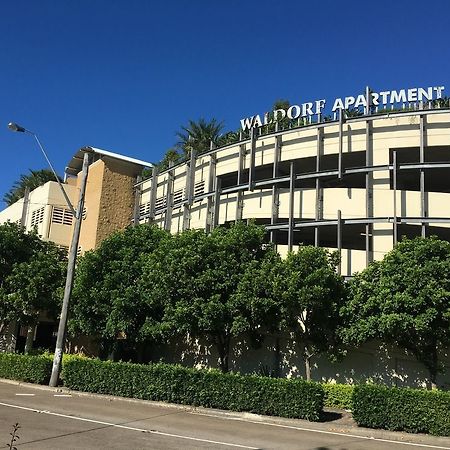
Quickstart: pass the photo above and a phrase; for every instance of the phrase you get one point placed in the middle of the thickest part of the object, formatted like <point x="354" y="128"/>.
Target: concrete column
<point x="240" y="194"/>
<point x="153" y="192"/>
<point x="209" y="200"/>
<point x="189" y="189"/>
<point x="275" y="188"/>
<point x="217" y="192"/>
<point x="291" y="207"/>
<point x="423" y="206"/>
<point x="137" y="200"/>
<point x="394" y="183"/>
<point x="251" y="170"/>
<point x="369" y="193"/>
<point x="339" y="239"/>
<point x="319" y="190"/>
<point x="169" y="201"/>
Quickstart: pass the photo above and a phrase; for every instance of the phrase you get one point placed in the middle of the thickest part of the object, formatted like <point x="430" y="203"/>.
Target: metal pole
<point x="56" y="369"/>
<point x="69" y="203"/>
<point x="26" y="200"/>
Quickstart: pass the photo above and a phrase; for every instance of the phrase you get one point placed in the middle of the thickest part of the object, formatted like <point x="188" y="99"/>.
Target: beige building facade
<point x="356" y="185"/>
<point x="44" y="210"/>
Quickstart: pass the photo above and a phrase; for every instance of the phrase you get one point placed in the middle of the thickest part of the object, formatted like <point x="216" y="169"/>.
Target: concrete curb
<point x="335" y="426"/>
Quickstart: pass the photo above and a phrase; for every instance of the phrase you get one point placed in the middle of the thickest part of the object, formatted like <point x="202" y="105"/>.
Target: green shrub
<point x="338" y="395"/>
<point x="33" y="369"/>
<point x="412" y="410"/>
<point x="208" y="388"/>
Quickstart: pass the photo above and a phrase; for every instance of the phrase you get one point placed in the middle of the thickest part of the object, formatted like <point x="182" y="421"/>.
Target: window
<point x="144" y="209"/>
<point x="178" y="196"/>
<point x="160" y="202"/>
<point x="62" y="216"/>
<point x="199" y="188"/>
<point x="37" y="216"/>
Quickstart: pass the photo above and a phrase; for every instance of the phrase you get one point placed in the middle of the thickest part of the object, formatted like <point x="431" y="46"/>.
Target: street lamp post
<point x="78" y="214"/>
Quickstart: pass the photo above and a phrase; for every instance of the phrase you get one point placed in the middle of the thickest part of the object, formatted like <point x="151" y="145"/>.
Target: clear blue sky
<point x="125" y="75"/>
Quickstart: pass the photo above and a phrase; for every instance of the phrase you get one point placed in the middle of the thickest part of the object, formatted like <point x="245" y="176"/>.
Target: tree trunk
<point x="307" y="354"/>
<point x="30" y="338"/>
<point x="433" y="368"/>
<point x="223" y="348"/>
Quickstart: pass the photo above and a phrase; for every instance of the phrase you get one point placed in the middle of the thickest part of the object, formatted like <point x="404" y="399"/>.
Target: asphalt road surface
<point x="59" y="420"/>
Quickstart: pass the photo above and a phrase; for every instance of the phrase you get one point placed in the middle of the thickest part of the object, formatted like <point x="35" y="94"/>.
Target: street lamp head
<point x="14" y="127"/>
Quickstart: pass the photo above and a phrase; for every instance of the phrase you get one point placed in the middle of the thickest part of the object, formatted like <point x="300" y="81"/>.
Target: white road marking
<point x="343" y="434"/>
<point x="26" y="395"/>
<point x="62" y="395"/>
<point x="83" y="419"/>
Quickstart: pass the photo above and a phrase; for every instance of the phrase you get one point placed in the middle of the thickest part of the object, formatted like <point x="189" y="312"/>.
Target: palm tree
<point x="32" y="180"/>
<point x="199" y="135"/>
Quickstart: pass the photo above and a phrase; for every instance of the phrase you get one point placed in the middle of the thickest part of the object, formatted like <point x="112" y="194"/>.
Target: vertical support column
<point x="137" y="200"/>
<point x="26" y="201"/>
<point x="217" y="192"/>
<point x="153" y="192"/>
<point x="291" y="207"/>
<point x="423" y="206"/>
<point x="211" y="179"/>
<point x="275" y="189"/>
<point x="319" y="192"/>
<point x="240" y="194"/>
<point x="394" y="185"/>
<point x="189" y="189"/>
<point x="169" y="200"/>
<point x="369" y="194"/>
<point x="339" y="239"/>
<point x="251" y="170"/>
<point x="341" y="135"/>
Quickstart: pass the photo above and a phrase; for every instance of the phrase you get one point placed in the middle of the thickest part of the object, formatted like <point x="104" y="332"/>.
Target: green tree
<point x="197" y="275"/>
<point x="36" y="285"/>
<point x="31" y="273"/>
<point x="32" y="180"/>
<point x="256" y="300"/>
<point x="171" y="157"/>
<point x="107" y="301"/>
<point x="404" y="300"/>
<point x="198" y="135"/>
<point x="311" y="296"/>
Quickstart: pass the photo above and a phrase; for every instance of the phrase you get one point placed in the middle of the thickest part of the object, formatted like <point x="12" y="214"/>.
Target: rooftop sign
<point x="309" y="109"/>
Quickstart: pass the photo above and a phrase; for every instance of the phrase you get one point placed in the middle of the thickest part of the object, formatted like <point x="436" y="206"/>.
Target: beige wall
<point x="386" y="132"/>
<point x="109" y="200"/>
<point x="42" y="201"/>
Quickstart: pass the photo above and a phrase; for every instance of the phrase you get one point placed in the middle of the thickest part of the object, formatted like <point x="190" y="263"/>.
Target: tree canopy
<point x="311" y="296"/>
<point x="404" y="299"/>
<point x="107" y="301"/>
<point x="32" y="180"/>
<point x="31" y="276"/>
<point x="207" y="269"/>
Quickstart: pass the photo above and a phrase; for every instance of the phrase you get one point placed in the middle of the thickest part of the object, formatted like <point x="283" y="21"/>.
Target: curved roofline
<point x="75" y="164"/>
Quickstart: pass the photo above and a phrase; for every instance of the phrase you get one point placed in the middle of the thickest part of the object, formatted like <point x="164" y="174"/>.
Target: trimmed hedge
<point x="208" y="388"/>
<point x="33" y="369"/>
<point x="402" y="409"/>
<point x="338" y="395"/>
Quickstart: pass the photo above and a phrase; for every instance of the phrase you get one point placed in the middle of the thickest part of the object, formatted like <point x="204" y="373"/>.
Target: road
<point x="56" y="420"/>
